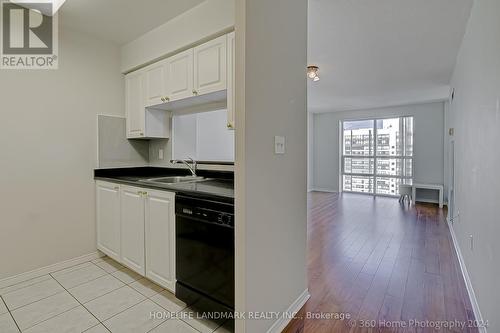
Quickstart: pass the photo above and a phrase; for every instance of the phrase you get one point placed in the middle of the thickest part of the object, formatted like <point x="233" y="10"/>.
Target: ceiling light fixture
<point x="313" y="73"/>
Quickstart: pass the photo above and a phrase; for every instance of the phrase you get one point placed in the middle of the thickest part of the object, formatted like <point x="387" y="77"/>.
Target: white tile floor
<point x="95" y="297"/>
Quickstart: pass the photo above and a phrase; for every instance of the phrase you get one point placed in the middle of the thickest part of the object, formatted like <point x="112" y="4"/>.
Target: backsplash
<point x="114" y="150"/>
<point x="154" y="147"/>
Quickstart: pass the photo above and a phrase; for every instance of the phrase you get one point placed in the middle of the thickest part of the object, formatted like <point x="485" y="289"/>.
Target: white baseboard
<point x="282" y="322"/>
<point x="445" y="203"/>
<point x="468" y="283"/>
<point x="322" y="189"/>
<point x="9" y="281"/>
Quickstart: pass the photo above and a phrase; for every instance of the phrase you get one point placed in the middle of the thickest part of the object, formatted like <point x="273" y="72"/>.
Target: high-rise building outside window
<point x="377" y="155"/>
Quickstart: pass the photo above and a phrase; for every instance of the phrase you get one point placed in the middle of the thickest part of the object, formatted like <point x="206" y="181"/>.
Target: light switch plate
<point x="279" y="145"/>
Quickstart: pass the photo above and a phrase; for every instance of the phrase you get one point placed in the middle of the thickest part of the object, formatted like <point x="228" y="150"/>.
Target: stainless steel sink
<point x="173" y="180"/>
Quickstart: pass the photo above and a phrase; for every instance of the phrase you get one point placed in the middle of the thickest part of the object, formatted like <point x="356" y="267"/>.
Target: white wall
<point x="271" y="190"/>
<point x="429" y="152"/>
<point x="475" y="116"/>
<point x="310" y="150"/>
<point x="48" y="142"/>
<point x="203" y="22"/>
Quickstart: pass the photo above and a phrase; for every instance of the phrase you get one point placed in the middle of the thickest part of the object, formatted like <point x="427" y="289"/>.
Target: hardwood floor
<point x="384" y="265"/>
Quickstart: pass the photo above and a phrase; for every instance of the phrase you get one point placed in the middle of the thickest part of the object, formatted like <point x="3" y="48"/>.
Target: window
<point x="377" y="155"/>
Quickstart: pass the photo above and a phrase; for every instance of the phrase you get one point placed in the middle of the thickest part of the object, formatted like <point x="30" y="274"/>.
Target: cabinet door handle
<point x="195" y="92"/>
<point x="163" y="99"/>
<point x="229" y="125"/>
<point x="167" y="99"/>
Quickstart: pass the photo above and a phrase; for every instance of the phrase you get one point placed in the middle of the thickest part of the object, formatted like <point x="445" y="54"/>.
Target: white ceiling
<point x="375" y="53"/>
<point x="121" y="21"/>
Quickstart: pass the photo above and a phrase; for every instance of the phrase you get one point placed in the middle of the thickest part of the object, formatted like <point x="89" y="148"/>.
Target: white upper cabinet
<point x="156" y="77"/>
<point x="210" y="66"/>
<point x="108" y="219"/>
<point x="231" y="111"/>
<point x="180" y="69"/>
<point x="134" y="106"/>
<point x="143" y="88"/>
<point x="167" y="85"/>
<point x="160" y="238"/>
<point x="132" y="229"/>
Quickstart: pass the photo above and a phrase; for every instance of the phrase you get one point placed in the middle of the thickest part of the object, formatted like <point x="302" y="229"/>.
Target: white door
<point x="108" y="219"/>
<point x="134" y="105"/>
<point x="132" y="225"/>
<point x="231" y="47"/>
<point x="210" y="66"/>
<point x="180" y="80"/>
<point x="160" y="238"/>
<point x="155" y="77"/>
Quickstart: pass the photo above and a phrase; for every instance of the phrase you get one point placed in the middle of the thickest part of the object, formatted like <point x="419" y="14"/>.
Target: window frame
<point x="374" y="175"/>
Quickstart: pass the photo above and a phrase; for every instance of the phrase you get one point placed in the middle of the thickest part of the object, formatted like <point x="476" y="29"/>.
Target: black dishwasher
<point x="205" y="253"/>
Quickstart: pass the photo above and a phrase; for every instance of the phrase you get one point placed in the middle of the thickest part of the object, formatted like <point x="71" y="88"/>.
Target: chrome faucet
<point x="191" y="167"/>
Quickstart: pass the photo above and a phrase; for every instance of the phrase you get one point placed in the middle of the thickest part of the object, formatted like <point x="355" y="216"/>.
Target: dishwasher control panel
<point x="206" y="211"/>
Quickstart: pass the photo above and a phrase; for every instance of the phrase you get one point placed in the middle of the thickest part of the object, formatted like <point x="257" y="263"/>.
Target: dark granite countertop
<point x="218" y="185"/>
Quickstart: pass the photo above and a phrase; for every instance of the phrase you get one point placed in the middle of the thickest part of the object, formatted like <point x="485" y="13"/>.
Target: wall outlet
<point x="160" y="154"/>
<point x="279" y="145"/>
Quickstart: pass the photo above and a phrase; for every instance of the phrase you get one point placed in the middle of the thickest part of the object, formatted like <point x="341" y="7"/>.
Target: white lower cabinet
<point x="132" y="232"/>
<point x="108" y="219"/>
<point x="160" y="238"/>
<point x="136" y="227"/>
